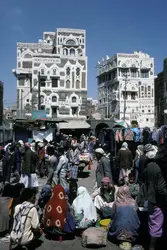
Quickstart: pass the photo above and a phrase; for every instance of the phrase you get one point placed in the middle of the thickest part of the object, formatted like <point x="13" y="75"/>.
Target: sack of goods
<point x="94" y="237"/>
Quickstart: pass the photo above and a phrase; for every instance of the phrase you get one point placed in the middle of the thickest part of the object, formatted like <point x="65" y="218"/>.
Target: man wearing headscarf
<point x="103" y="166"/>
<point x="60" y="173"/>
<point x="139" y="153"/>
<point x="74" y="160"/>
<point x="149" y="154"/>
<point x="104" y="196"/>
<point x="124" y="160"/>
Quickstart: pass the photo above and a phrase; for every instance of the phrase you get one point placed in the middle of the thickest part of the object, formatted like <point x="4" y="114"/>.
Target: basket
<point x="104" y="223"/>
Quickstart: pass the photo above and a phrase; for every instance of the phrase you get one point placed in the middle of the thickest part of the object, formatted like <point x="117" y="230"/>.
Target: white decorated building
<point x="60" y="59"/>
<point x="129" y="76"/>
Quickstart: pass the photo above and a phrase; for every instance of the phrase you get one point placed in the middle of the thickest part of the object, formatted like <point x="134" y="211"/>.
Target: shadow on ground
<point x="83" y="174"/>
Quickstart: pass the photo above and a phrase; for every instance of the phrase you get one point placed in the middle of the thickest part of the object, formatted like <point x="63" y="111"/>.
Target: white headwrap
<point x="100" y="151"/>
<point x="124" y="145"/>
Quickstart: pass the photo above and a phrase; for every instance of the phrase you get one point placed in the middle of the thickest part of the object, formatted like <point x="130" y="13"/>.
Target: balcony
<point x="22" y="71"/>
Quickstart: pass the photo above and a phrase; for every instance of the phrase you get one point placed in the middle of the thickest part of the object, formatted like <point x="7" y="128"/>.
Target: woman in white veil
<point x="83" y="208"/>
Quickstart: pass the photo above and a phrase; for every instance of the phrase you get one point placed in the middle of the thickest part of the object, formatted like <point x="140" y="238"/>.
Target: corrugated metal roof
<point x="74" y="124"/>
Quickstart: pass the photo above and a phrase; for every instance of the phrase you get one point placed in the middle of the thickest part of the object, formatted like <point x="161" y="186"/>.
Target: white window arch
<point x="70" y="42"/>
<point x="77" y="84"/>
<point x="42" y="99"/>
<point x="78" y="72"/>
<point x="79" y="52"/>
<point x="142" y="88"/>
<point x="74" y="99"/>
<point x="42" y="71"/>
<point x="149" y="88"/>
<point x="27" y="54"/>
<point x="54" y="71"/>
<point x="68" y="71"/>
<point x="72" y="52"/>
<point x="54" y="98"/>
<point x="65" y="52"/>
<point x="67" y="84"/>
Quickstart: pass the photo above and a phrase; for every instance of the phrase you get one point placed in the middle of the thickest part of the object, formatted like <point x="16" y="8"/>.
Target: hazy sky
<point x="112" y="27"/>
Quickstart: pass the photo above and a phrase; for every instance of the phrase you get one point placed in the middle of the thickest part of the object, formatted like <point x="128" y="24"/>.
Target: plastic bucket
<point x="104" y="223"/>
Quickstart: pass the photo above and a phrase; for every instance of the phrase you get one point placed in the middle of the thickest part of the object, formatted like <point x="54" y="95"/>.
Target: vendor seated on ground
<point x="4" y="212"/>
<point x="44" y="197"/>
<point x="124" y="218"/>
<point x="84" y="210"/>
<point x="9" y="200"/>
<point x="26" y="227"/>
<point x="57" y="217"/>
<point x="104" y="197"/>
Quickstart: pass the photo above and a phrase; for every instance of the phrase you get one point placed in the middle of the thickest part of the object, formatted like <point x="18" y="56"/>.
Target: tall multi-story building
<point x="126" y="87"/>
<point x="161" y="97"/>
<point x="52" y="75"/>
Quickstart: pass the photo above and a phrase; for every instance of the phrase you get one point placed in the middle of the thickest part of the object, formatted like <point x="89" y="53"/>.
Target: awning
<point x="74" y="124"/>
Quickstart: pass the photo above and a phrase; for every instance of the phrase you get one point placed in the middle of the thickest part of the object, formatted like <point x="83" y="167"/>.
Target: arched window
<point x="149" y="88"/>
<point x="142" y="88"/>
<point x="54" y="98"/>
<point x="65" y="52"/>
<point x="78" y="72"/>
<point x="77" y="84"/>
<point x="124" y="65"/>
<point x="70" y="42"/>
<point x="68" y="71"/>
<point x="68" y="84"/>
<point x="42" y="71"/>
<point x="79" y="52"/>
<point x="72" y="52"/>
<point x="74" y="99"/>
<point x="42" y="99"/>
<point x="27" y="55"/>
<point x="54" y="72"/>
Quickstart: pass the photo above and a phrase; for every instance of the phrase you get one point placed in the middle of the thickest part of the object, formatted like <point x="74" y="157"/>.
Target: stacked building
<point x="52" y="75"/>
<point x="126" y="88"/>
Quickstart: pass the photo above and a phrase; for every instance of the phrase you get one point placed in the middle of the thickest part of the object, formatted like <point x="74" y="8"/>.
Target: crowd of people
<point x="126" y="185"/>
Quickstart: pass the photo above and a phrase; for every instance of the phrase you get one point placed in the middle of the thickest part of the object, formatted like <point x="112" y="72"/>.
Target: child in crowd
<point x="133" y="187"/>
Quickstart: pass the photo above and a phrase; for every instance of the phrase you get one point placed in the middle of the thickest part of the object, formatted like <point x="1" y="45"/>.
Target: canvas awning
<point x="74" y="124"/>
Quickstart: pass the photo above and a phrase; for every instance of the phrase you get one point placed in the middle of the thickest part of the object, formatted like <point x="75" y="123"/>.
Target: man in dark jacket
<point x="103" y="167"/>
<point x="124" y="160"/>
<point x="29" y="176"/>
<point x="148" y="156"/>
<point x="9" y="163"/>
<point x="29" y="161"/>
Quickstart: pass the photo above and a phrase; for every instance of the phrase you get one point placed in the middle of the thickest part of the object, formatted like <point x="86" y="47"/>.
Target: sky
<point x="111" y="27"/>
